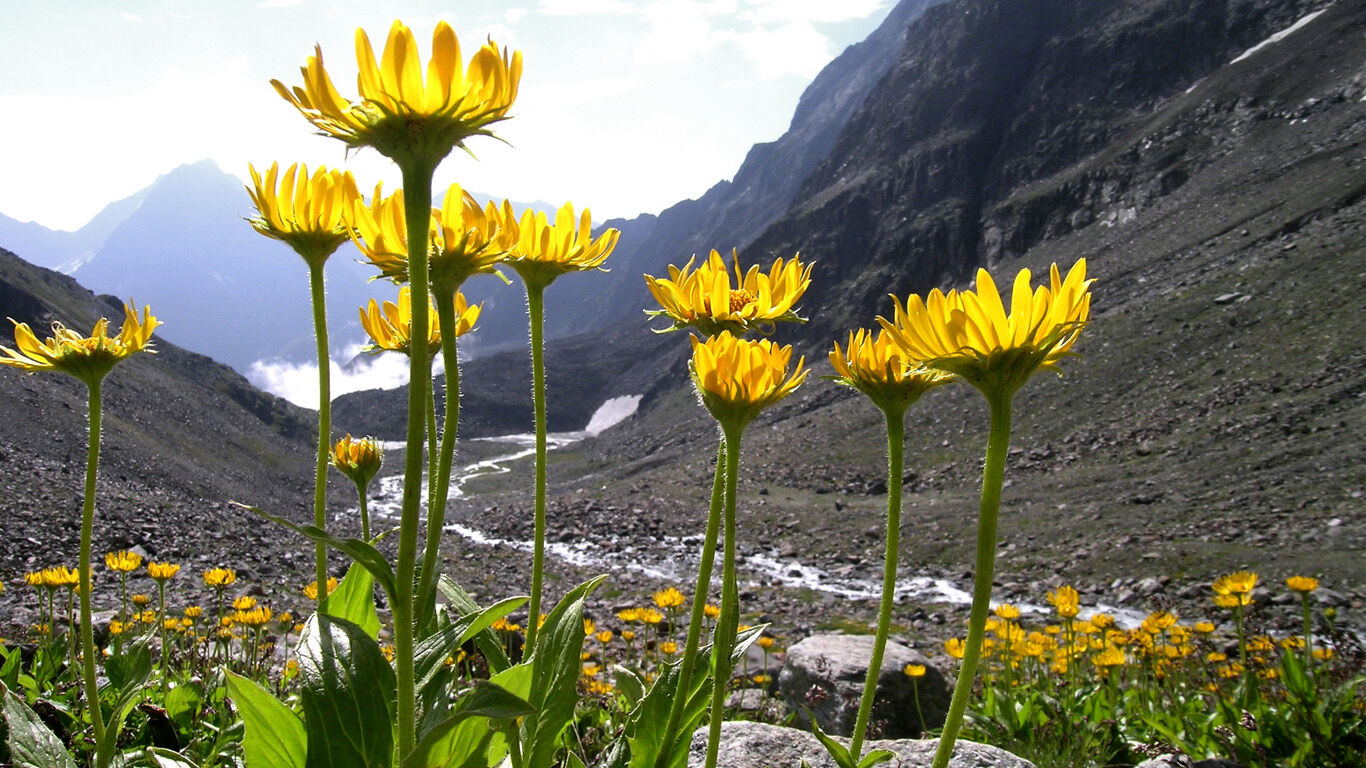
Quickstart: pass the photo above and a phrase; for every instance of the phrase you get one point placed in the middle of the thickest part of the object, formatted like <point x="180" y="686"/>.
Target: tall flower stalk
<point x="310" y="214"/>
<point x="544" y="251"/>
<point x="359" y="460"/>
<point x="882" y="372"/>
<point x="416" y="124"/>
<point x="968" y="334"/>
<point x="735" y="379"/>
<point x="705" y="301"/>
<point x="90" y="359"/>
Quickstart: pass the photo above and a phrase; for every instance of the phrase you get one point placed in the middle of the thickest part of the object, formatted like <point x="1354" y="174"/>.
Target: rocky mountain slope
<point x="182" y="436"/>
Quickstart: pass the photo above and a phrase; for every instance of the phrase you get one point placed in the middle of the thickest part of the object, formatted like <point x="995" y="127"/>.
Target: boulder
<point x="760" y="745"/>
<point x="825" y="674"/>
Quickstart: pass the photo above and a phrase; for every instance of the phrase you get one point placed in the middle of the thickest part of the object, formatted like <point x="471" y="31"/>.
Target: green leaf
<point x="28" y="742"/>
<point x="875" y="757"/>
<point x="361" y="552"/>
<point x="430" y="654"/>
<point x="459" y="601"/>
<point x="166" y="758"/>
<point x="555" y="671"/>
<point x="128" y="673"/>
<point x="837" y="751"/>
<point x="354" y="599"/>
<point x="462" y="740"/>
<point x="347" y="688"/>
<point x="629" y="685"/>
<point x="183" y="703"/>
<point x="274" y="735"/>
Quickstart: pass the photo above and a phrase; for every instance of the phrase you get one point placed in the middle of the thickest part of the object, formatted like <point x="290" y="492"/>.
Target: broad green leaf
<point x="463" y="740"/>
<point x="432" y="652"/>
<point x="347" y="688"/>
<point x="629" y="685"/>
<point x="354" y="599"/>
<point x="26" y="741"/>
<point x="166" y="758"/>
<point x="361" y="552"/>
<point x="461" y="604"/>
<point x="183" y="703"/>
<point x="274" y="734"/>
<point x="127" y="677"/>
<point x="555" y="671"/>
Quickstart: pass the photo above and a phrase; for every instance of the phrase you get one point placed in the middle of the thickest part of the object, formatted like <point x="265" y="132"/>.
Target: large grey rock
<point x="759" y="745"/>
<point x="825" y="673"/>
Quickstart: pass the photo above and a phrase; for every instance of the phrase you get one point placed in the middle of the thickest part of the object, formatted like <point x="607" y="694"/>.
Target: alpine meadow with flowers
<point x="391" y="653"/>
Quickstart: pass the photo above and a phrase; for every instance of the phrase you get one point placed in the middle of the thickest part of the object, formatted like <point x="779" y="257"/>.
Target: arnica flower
<point x="465" y="239"/>
<point x="914" y="670"/>
<point x="218" y="578"/>
<point x="1007" y="611"/>
<point x="1234" y="600"/>
<point x="311" y="214"/>
<point x="546" y="250"/>
<point x="244" y="603"/>
<point x="1239" y="583"/>
<point x="954" y="647"/>
<point x="669" y="598"/>
<point x="1067" y="602"/>
<point x="707" y="300"/>
<point x="969" y="334"/>
<point x="629" y="615"/>
<point x="360" y="460"/>
<point x="737" y="378"/>
<point x="142" y="600"/>
<point x="711" y="610"/>
<point x="879" y="369"/>
<point x="1302" y="584"/>
<point x="1110" y="657"/>
<point x="398" y="113"/>
<point x="88" y="358"/>
<point x="311" y="589"/>
<point x="391" y="328"/>
<point x="123" y="561"/>
<point x="162" y="571"/>
<point x="1203" y="627"/>
<point x="194" y="611"/>
<point x="256" y="616"/>
<point x="60" y="576"/>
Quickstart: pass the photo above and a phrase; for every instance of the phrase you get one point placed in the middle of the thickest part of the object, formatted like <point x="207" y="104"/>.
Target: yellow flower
<point x="255" y="616"/>
<point x="244" y="603"/>
<point x="162" y="571"/>
<point x="311" y="589"/>
<point x="193" y="611"/>
<point x="311" y="214"/>
<point x="123" y="561"/>
<point x="604" y="636"/>
<point x="707" y="300"/>
<point x="392" y="326"/>
<point x="590" y="627"/>
<point x="400" y="115"/>
<point x="1158" y="621"/>
<point x="629" y="615"/>
<point x="668" y="647"/>
<point x="969" y="334"/>
<point x="711" y="611"/>
<point x="1302" y="584"/>
<point x="954" y="647"/>
<point x="88" y="358"/>
<point x="465" y="239"/>
<point x="1233" y="601"/>
<point x="651" y="616"/>
<point x="219" y="577"/>
<point x="1203" y="627"/>
<point x="359" y="460"/>
<point x="34" y="579"/>
<point x="1102" y="621"/>
<point x="1007" y="611"/>
<point x="546" y="250"/>
<point x="737" y="378"/>
<point x="1066" y="601"/>
<point x="1238" y="583"/>
<point x="669" y="598"/>
<point x="1110" y="657"/>
<point x="879" y="369"/>
<point x="142" y="600"/>
<point x="628" y="635"/>
<point x="1322" y="654"/>
<point x="914" y="670"/>
<point x="765" y="642"/>
<point x="116" y="627"/>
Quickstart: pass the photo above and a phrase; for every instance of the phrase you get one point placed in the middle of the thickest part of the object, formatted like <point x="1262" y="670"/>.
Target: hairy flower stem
<point x="726" y="626"/>
<point x="417" y="187"/>
<point x="436" y="504"/>
<point x="698" y="615"/>
<point x="315" y="285"/>
<point x="896" y="430"/>
<point x="364" y="512"/>
<point x="92" y="690"/>
<point x="992" y="474"/>
<point x="431" y="445"/>
<point x="535" y="301"/>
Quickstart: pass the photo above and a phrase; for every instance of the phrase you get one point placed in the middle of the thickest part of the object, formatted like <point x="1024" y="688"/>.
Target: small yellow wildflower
<point x="244" y="603"/>
<point x="162" y="571"/>
<point x="359" y="460"/>
<point x="1239" y="583"/>
<point x="218" y="578"/>
<point x="711" y="611"/>
<point x="1302" y="584"/>
<point x="1007" y="611"/>
<point x="669" y="598"/>
<point x="738" y="378"/>
<point x="668" y="647"/>
<point x="954" y="647"/>
<point x="142" y="600"/>
<point x="707" y="300"/>
<point x="123" y="561"/>
<point x="311" y="589"/>
<point x="914" y="670"/>
<point x="87" y="358"/>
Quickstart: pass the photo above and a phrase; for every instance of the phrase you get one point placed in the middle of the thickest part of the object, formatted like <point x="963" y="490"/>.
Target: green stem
<point x="992" y="474"/>
<point x="536" y="310"/>
<point x="315" y="284"/>
<point x="92" y="690"/>
<point x="895" y="436"/>
<point x="698" y="616"/>
<point x="417" y="186"/>
<point x="161" y="629"/>
<point x="431" y="445"/>
<point x="1308" y="634"/>
<point x="364" y="513"/>
<point x="436" y="506"/>
<point x="724" y="640"/>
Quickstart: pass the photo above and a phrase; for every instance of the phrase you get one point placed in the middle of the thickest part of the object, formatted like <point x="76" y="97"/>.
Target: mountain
<point x="182" y="436"/>
<point x="181" y="245"/>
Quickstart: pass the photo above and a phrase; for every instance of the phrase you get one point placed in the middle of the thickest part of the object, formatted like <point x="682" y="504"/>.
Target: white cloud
<point x="587" y="7"/>
<point x="782" y="11"/>
<point x="298" y="383"/>
<point x="514" y="15"/>
<point x="279" y="3"/>
<point x="795" y="48"/>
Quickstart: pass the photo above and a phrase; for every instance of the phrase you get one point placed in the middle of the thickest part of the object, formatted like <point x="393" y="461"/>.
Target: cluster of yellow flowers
<point x="1159" y="644"/>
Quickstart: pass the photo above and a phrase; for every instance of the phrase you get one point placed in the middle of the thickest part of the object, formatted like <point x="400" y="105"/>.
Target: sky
<point x="625" y="107"/>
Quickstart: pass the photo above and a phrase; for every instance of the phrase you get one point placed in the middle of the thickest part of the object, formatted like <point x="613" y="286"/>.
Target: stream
<point x="674" y="558"/>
